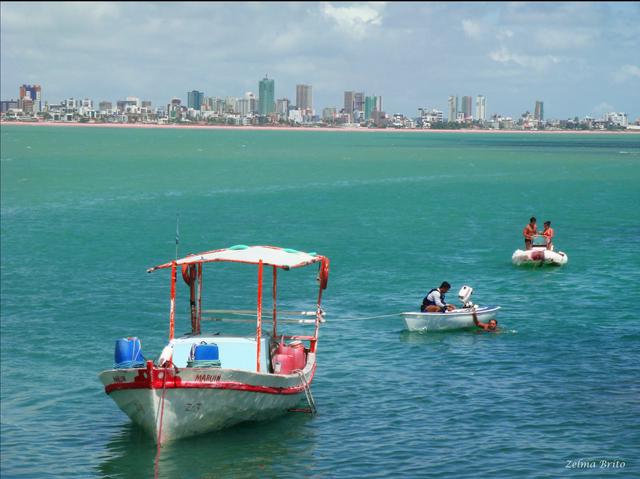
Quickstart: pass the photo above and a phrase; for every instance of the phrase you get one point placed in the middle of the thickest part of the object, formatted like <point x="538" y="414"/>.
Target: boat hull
<point x="539" y="257"/>
<point x="451" y="320"/>
<point x="173" y="403"/>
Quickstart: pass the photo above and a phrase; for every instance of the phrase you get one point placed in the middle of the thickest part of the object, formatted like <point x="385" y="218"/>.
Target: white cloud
<point x="627" y="72"/>
<point x="355" y="20"/>
<point x="536" y="62"/>
<point x="471" y="29"/>
<point x="504" y="34"/>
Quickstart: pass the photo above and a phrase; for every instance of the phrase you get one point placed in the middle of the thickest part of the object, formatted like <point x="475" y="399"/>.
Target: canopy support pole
<point x="199" y="320"/>
<point x="192" y="299"/>
<point x="172" y="309"/>
<point x="259" y="315"/>
<point x="275" y="291"/>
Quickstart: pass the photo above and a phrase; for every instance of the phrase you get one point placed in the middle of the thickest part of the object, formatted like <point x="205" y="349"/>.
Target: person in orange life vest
<point x="529" y="232"/>
<point x="548" y="234"/>
<point x="434" y="301"/>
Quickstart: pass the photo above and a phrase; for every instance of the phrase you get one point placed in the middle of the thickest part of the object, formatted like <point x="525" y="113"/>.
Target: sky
<point x="580" y="59"/>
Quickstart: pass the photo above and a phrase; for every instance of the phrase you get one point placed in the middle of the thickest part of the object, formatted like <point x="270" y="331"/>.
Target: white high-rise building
<point x="231" y="104"/>
<point x="481" y="108"/>
<point x="453" y="108"/>
<point x="242" y="106"/>
<point x="282" y="107"/>
<point x="618" y="119"/>
<point x="253" y="101"/>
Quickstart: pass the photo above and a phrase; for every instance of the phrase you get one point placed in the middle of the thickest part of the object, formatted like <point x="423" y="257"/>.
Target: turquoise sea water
<point x="85" y="211"/>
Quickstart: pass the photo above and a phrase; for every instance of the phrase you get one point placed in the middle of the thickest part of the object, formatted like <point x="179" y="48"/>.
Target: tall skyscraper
<point x="242" y="106"/>
<point x="467" y="109"/>
<point x="358" y="101"/>
<point x="481" y="108"/>
<point x="282" y="107"/>
<point x="453" y="108"/>
<point x="370" y="104"/>
<point x="231" y="104"/>
<point x="304" y="97"/>
<point x="349" y="101"/>
<point x="194" y="99"/>
<point x="253" y="102"/>
<point x="538" y="113"/>
<point x="33" y="93"/>
<point x="266" y="96"/>
<point x="6" y="105"/>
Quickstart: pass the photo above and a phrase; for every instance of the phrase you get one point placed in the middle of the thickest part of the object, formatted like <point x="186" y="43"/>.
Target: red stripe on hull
<point x="198" y="385"/>
<point x="150" y="378"/>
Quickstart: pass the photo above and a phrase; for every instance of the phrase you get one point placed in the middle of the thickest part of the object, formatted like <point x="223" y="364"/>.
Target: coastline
<point x="305" y="128"/>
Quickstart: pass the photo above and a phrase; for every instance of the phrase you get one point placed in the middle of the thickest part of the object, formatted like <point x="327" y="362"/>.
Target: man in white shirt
<point x="434" y="301"/>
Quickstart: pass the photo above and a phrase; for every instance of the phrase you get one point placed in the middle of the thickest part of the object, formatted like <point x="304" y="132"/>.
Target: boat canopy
<point x="284" y="258"/>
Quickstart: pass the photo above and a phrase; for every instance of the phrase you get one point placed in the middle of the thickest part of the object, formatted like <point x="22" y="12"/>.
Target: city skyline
<point x="580" y="59"/>
<point x="358" y="108"/>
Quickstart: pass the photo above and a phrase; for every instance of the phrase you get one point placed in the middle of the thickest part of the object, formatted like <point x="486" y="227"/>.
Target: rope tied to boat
<point x="367" y="318"/>
<point x="164" y="390"/>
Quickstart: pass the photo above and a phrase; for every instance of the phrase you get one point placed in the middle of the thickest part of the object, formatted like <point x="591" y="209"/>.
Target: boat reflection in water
<point x="275" y="449"/>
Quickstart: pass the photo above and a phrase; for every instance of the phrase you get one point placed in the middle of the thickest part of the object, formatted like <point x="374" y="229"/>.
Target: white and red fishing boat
<point x="203" y="381"/>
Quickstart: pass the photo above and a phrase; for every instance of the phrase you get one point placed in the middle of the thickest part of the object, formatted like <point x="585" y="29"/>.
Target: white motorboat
<point x="539" y="255"/>
<point x="461" y="318"/>
<point x="456" y="319"/>
<point x="203" y="382"/>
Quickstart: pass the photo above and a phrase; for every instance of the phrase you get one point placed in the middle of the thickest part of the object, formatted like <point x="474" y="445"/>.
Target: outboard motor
<point x="465" y="296"/>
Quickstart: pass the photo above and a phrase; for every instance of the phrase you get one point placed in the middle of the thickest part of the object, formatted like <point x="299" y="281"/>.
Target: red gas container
<point x="283" y="364"/>
<point x="297" y="351"/>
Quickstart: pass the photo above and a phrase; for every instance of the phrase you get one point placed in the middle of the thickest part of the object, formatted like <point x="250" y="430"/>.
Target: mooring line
<point x="159" y="439"/>
<point x="365" y="318"/>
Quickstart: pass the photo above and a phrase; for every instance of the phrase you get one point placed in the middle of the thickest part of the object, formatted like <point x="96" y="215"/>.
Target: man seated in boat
<point x="434" y="301"/>
<point x="529" y="232"/>
<point x="548" y="234"/>
<point x="492" y="325"/>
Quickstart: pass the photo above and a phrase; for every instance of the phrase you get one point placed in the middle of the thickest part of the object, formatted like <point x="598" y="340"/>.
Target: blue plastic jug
<point x="128" y="353"/>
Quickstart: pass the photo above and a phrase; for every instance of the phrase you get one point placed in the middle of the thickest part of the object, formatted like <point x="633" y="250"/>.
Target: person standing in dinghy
<point x="548" y="235"/>
<point x="529" y="232"/>
<point x="434" y="301"/>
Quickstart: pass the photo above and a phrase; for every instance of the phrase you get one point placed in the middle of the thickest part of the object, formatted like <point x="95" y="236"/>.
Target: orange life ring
<point x="324" y="273"/>
<point x="189" y="272"/>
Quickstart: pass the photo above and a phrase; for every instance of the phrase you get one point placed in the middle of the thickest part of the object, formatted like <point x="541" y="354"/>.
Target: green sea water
<point x="85" y="211"/>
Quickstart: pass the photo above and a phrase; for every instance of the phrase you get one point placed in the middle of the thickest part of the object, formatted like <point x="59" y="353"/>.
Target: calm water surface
<point x="86" y="210"/>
